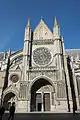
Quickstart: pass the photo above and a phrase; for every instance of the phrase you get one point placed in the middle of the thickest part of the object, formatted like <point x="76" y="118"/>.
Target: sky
<point x="15" y="13"/>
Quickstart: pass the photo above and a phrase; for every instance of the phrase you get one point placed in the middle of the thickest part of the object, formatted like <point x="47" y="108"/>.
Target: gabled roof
<point x="42" y="31"/>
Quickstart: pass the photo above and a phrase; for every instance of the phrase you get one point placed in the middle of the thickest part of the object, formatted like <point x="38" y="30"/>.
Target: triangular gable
<point x="42" y="32"/>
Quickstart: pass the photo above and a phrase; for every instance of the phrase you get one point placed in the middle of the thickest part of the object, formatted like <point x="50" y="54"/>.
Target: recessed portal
<point x="41" y="101"/>
<point x="8" y="99"/>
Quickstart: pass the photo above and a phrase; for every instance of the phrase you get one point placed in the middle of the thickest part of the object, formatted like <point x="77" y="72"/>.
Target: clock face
<point x="42" y="56"/>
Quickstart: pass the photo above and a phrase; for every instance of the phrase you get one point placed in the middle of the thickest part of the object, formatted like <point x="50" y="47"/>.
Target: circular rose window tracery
<point x="14" y="78"/>
<point x="42" y="56"/>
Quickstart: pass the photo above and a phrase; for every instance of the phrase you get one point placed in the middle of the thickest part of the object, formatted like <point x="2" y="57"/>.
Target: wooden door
<point x="38" y="102"/>
<point x="46" y="99"/>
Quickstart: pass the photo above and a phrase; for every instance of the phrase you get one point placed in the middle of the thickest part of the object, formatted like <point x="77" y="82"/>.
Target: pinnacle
<point x="55" y="21"/>
<point x="28" y="24"/>
<point x="42" y="19"/>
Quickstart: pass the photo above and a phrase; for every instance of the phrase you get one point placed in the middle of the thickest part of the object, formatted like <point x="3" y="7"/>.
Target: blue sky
<point x="14" y="15"/>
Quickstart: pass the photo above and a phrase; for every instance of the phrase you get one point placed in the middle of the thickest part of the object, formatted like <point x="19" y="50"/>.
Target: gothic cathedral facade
<point x="42" y="76"/>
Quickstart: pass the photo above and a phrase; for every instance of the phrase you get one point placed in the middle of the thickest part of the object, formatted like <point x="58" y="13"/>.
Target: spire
<point x="56" y="28"/>
<point x="27" y="30"/>
<point x="42" y="19"/>
<point x="55" y="21"/>
<point x="28" y="24"/>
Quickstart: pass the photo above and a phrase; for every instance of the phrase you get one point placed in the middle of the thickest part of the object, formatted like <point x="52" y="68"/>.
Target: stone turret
<point x="27" y="48"/>
<point x="27" y="39"/>
<point x="26" y="66"/>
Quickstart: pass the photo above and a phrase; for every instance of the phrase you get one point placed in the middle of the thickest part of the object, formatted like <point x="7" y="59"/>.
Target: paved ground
<point x="42" y="116"/>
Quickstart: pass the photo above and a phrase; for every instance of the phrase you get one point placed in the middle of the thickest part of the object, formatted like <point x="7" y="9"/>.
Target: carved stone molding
<point x="23" y="90"/>
<point x="49" y="74"/>
<point x="43" y="42"/>
<point x="53" y="68"/>
<point x="61" y="89"/>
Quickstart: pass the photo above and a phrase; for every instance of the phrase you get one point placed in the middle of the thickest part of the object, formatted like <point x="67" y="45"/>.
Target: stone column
<point x="28" y="99"/>
<point x="50" y="100"/>
<point x="42" y="94"/>
<point x="54" y="99"/>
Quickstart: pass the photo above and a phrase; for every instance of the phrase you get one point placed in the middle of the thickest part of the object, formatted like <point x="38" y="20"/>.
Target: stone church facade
<point x="42" y="76"/>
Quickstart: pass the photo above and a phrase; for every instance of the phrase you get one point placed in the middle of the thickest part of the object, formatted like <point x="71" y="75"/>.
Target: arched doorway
<point x="8" y="99"/>
<point x="41" y="95"/>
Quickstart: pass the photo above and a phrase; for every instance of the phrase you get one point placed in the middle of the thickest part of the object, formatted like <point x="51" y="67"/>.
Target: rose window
<point x="42" y="56"/>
